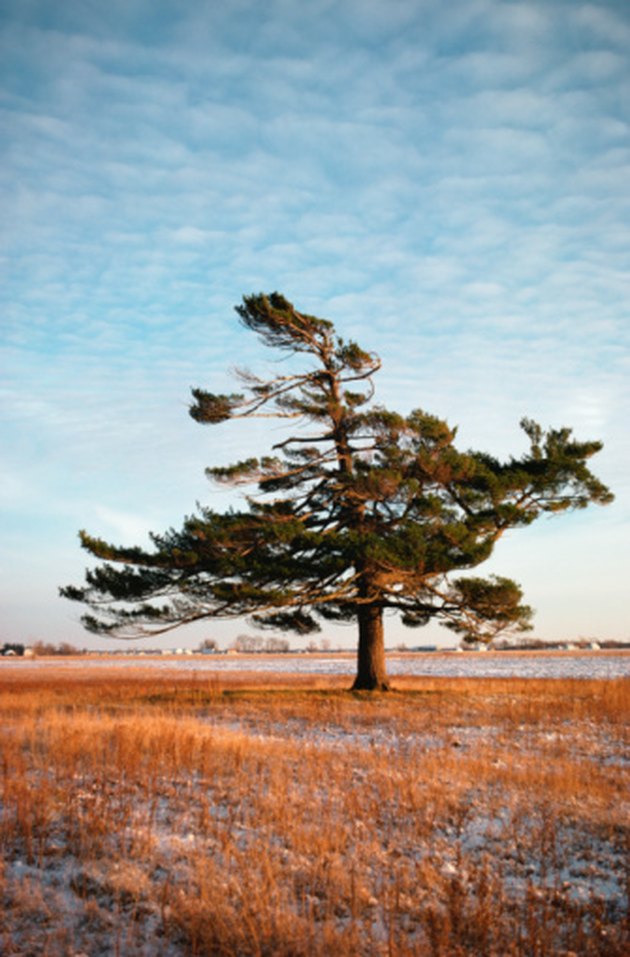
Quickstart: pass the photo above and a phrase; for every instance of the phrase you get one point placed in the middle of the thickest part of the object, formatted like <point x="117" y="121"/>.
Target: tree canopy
<point x="359" y="512"/>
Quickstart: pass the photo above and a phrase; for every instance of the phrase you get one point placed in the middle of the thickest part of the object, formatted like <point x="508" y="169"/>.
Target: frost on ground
<point x="456" y="821"/>
<point x="500" y="665"/>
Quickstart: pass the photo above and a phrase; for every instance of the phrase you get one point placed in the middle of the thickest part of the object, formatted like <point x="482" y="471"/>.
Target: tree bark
<point x="371" y="673"/>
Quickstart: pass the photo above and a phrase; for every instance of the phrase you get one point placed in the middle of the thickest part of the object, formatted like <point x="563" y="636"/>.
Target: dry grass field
<point x="165" y="815"/>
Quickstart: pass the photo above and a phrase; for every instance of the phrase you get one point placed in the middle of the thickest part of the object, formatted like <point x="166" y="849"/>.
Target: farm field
<point x="187" y="810"/>
<point x="513" y="664"/>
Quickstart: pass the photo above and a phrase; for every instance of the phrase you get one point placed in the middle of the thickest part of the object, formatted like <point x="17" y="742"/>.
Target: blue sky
<point x="448" y="183"/>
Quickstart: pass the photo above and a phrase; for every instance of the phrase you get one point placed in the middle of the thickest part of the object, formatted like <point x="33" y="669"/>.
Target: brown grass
<point x="247" y="815"/>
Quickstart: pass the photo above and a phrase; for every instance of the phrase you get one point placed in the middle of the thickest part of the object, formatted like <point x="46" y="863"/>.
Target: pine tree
<point x="362" y="512"/>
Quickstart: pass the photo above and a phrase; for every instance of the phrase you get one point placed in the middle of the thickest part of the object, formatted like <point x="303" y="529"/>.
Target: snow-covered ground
<point x="438" y="816"/>
<point x="469" y="665"/>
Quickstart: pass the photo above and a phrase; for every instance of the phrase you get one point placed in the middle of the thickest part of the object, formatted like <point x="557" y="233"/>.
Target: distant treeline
<point x="252" y="644"/>
<point x="537" y="644"/>
<point x="12" y="649"/>
<point x="40" y="648"/>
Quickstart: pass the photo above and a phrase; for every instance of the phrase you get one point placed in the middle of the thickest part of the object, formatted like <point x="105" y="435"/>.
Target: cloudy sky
<point x="449" y="183"/>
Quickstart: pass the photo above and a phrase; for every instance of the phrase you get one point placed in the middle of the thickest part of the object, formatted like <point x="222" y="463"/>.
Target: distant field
<point x="554" y="664"/>
<point x="156" y="808"/>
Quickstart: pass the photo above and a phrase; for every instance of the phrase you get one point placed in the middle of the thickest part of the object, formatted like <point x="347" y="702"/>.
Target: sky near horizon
<point x="448" y="183"/>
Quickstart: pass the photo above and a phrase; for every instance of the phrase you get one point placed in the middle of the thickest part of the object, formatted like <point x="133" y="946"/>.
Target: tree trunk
<point x="371" y="673"/>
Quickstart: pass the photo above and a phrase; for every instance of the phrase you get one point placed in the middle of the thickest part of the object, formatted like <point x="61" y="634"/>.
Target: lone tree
<point x="361" y="512"/>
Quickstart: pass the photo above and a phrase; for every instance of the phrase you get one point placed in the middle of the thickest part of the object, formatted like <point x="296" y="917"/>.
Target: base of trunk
<point x="361" y="684"/>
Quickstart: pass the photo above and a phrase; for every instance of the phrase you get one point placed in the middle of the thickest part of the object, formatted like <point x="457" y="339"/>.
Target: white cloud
<point x="448" y="183"/>
<point x="603" y="23"/>
<point x="128" y="529"/>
